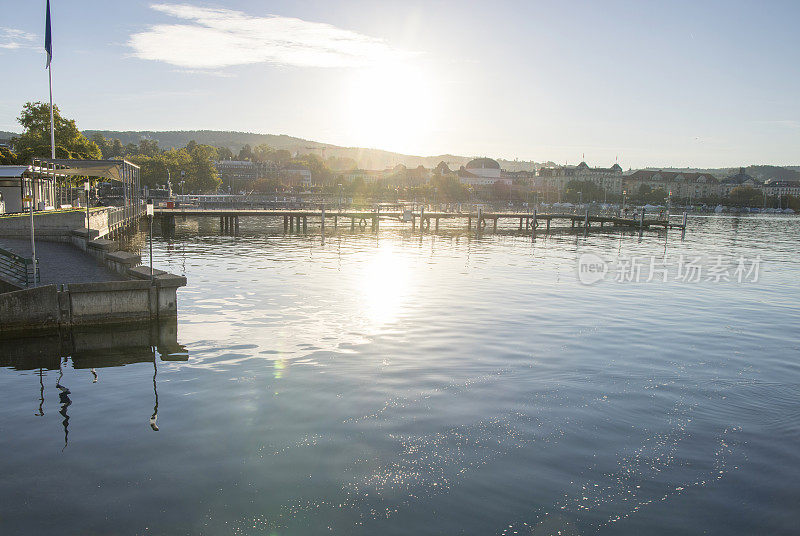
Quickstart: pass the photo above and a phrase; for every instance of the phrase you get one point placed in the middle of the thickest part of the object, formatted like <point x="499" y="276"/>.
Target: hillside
<point x="366" y="158"/>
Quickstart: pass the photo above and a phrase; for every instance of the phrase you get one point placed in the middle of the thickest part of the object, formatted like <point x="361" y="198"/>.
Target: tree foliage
<point x="35" y="140"/>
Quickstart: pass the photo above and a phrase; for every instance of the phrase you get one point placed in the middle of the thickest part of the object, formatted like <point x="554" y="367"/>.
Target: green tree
<point x="35" y="140"/>
<point x="744" y="196"/>
<point x="202" y="175"/>
<point x="587" y="191"/>
<point x="224" y="153"/>
<point x="7" y="156"/>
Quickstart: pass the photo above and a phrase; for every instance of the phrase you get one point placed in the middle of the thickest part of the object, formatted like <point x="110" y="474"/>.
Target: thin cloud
<point x="217" y="38"/>
<point x="12" y="39"/>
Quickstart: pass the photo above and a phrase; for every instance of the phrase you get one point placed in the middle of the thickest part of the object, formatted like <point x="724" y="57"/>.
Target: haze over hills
<point x="373" y="158"/>
<point x="366" y="158"/>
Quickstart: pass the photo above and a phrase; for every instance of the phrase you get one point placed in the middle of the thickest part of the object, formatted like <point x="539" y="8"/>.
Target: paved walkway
<point x="61" y="263"/>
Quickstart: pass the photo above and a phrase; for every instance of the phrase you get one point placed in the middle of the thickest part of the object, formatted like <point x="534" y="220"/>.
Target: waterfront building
<point x="236" y="173"/>
<point x="296" y="174"/>
<point x="774" y="187"/>
<point x="741" y="179"/>
<point x="556" y="178"/>
<point x="482" y="172"/>
<point x="682" y="184"/>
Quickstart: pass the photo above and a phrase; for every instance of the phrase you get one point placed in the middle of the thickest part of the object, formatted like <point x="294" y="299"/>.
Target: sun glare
<point x="392" y="107"/>
<point x="385" y="286"/>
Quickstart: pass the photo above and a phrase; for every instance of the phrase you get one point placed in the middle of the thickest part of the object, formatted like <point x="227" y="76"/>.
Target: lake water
<point x="398" y="383"/>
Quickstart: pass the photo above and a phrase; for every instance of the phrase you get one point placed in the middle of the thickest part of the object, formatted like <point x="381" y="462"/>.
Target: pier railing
<point x="18" y="270"/>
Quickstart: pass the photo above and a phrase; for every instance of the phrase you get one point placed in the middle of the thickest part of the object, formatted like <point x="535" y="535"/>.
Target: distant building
<point x="482" y="172"/>
<point x="296" y="174"/>
<point x="237" y="173"/>
<point x="556" y="178"/>
<point x="682" y="184"/>
<point x="740" y="179"/>
<point x="520" y="177"/>
<point x="774" y="187"/>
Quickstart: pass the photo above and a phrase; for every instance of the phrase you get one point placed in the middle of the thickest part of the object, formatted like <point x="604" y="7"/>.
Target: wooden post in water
<point x="533" y="225"/>
<point x="421" y="219"/>
<point x="547" y="230"/>
<point x="305" y="223"/>
<point x="285" y="223"/>
<point x="437" y="224"/>
<point x="683" y="230"/>
<point x="495" y="225"/>
<point x="352" y="223"/>
<point x="322" y="219"/>
<point x="291" y="224"/>
<point x="586" y="223"/>
<point x="641" y="220"/>
<point x="236" y="221"/>
<point x="469" y="222"/>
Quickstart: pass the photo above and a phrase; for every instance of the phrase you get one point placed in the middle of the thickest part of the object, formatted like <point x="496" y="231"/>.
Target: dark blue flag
<point x="48" y="37"/>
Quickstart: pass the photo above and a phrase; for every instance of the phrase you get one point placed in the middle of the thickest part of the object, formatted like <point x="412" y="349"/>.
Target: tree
<point x="246" y="153"/>
<point x="744" y="196"/>
<point x="7" y="156"/>
<point x="202" y="175"/>
<point x="35" y="140"/>
<point x="224" y="153"/>
<point x="577" y="191"/>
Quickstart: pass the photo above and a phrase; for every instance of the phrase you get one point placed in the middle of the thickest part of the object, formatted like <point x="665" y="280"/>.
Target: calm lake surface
<point x="398" y="383"/>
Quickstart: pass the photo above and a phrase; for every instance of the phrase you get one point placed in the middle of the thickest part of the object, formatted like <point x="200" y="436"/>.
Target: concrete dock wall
<point x="83" y="304"/>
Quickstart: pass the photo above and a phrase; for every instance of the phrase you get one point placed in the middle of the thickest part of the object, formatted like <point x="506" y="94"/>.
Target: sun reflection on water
<point x="385" y="286"/>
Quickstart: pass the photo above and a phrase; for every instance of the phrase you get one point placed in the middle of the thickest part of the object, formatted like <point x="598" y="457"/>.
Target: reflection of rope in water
<point x="63" y="397"/>
<point x="41" y="394"/>
<point x="154" y="416"/>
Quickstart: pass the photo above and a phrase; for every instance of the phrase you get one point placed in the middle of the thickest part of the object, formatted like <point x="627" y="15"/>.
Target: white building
<point x="775" y="188"/>
<point x="297" y="174"/>
<point x="482" y="172"/>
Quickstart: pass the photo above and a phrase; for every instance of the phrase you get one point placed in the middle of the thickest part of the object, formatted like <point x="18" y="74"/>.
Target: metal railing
<point x="18" y="270"/>
<point x="120" y="216"/>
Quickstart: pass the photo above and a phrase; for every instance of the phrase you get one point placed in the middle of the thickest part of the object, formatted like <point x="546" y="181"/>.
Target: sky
<point x="647" y="83"/>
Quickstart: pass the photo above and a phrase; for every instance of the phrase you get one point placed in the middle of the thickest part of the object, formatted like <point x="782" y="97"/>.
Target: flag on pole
<point x="48" y="37"/>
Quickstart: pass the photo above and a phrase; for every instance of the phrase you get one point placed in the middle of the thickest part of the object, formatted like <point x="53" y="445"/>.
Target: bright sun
<point x="391" y="107"/>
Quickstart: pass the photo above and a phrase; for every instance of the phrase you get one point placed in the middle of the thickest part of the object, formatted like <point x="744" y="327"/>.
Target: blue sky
<point x="652" y="83"/>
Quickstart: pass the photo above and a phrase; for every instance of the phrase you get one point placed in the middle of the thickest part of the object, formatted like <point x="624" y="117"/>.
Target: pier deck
<point x="61" y="263"/>
<point x="229" y="218"/>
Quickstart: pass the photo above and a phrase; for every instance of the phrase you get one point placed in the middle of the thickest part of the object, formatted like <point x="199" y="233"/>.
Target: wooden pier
<point x="480" y="220"/>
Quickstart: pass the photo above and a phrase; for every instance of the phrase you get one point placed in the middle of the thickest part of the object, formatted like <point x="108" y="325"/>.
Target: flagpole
<point x="52" y="131"/>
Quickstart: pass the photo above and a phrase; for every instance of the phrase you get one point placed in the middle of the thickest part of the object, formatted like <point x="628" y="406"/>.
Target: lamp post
<point x="150" y="213"/>
<point x="86" y="187"/>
